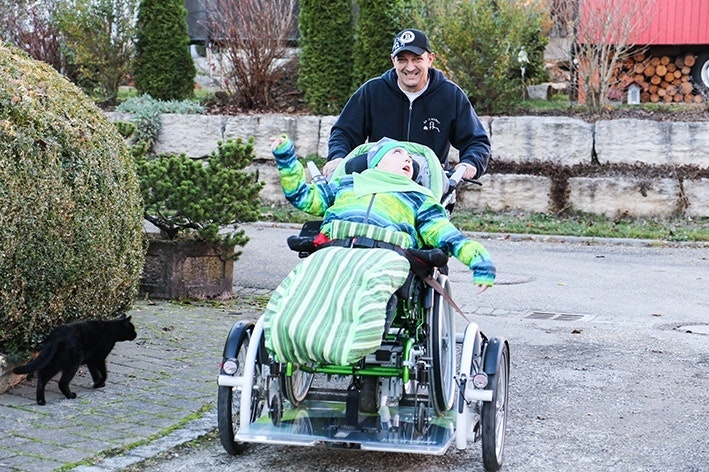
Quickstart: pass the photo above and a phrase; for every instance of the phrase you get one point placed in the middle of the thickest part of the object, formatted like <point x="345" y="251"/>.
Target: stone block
<point x="501" y="192"/>
<point x="539" y="92"/>
<point x="632" y="141"/>
<point x="307" y="137"/>
<point x="194" y="135"/>
<point x="454" y="154"/>
<point x="561" y="140"/>
<point x="119" y="116"/>
<point x="326" y="123"/>
<point x="689" y="143"/>
<point x="241" y="126"/>
<point x="697" y="193"/>
<point x="272" y="192"/>
<point x="263" y="128"/>
<point x="611" y="196"/>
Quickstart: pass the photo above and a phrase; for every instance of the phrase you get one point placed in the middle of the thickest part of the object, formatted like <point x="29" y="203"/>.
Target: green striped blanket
<point x="332" y="307"/>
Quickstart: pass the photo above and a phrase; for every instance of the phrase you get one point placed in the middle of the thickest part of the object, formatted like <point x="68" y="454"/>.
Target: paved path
<point x="163" y="382"/>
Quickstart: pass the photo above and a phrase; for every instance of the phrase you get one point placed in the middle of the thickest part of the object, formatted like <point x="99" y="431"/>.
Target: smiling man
<point x="415" y="102"/>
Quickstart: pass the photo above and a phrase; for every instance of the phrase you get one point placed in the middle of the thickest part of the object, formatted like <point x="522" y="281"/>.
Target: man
<point x="412" y="102"/>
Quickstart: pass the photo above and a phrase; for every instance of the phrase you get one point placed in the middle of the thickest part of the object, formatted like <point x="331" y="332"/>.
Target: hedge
<point x="71" y="226"/>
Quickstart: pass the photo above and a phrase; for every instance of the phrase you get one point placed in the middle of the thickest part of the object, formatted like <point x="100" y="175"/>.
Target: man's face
<point x="412" y="70"/>
<point x="398" y="161"/>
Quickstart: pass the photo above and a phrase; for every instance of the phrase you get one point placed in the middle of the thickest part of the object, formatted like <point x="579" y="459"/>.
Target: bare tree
<point x="28" y="25"/>
<point x="604" y="31"/>
<point x="253" y="35"/>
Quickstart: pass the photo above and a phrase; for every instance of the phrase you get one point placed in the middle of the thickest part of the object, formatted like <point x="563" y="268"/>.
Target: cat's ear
<point x="127" y="318"/>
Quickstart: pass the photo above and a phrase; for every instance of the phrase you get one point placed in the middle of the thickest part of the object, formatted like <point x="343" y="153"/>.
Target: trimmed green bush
<point x="326" y="37"/>
<point x="71" y="227"/>
<point x="164" y="68"/>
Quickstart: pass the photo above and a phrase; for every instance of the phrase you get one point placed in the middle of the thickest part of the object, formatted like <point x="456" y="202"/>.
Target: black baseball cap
<point x="412" y="40"/>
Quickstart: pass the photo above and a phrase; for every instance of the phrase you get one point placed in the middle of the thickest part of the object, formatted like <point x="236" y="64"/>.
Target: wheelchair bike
<point x="424" y="388"/>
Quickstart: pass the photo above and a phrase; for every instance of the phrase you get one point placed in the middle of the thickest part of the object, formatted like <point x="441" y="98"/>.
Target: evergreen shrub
<point x="377" y="24"/>
<point x="192" y="199"/>
<point x="326" y="43"/>
<point x="164" y="68"/>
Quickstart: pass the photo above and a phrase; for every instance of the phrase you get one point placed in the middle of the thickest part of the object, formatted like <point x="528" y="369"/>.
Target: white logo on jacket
<point x="431" y="124"/>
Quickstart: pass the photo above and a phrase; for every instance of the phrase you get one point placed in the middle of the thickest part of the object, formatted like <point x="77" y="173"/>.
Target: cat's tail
<point x="38" y="362"/>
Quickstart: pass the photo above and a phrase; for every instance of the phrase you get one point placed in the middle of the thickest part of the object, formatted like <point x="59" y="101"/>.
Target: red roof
<point x="671" y="22"/>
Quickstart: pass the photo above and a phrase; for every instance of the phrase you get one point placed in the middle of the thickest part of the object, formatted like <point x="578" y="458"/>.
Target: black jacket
<point x="442" y="116"/>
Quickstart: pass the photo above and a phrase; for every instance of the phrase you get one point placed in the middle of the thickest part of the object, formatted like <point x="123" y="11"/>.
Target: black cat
<point x="70" y="345"/>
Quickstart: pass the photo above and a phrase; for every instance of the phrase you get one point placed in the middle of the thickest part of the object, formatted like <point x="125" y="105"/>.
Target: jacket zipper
<point x="408" y="124"/>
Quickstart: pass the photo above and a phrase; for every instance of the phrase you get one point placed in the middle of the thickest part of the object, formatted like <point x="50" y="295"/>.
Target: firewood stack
<point x="661" y="79"/>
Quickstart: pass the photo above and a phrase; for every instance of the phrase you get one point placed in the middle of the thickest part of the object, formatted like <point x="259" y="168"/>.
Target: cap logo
<point x="403" y="39"/>
<point x="407" y="36"/>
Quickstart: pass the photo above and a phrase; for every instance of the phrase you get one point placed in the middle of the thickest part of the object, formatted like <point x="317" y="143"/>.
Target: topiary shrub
<point x="71" y="226"/>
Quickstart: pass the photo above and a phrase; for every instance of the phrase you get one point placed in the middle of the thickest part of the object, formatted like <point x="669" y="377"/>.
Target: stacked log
<point x="661" y="79"/>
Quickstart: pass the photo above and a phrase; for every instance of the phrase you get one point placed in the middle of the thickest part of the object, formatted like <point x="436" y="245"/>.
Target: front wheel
<point x="229" y="398"/>
<point x="493" y="416"/>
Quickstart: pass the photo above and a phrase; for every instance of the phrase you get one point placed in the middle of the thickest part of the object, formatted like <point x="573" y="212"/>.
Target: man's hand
<point x="470" y="170"/>
<point x="330" y="166"/>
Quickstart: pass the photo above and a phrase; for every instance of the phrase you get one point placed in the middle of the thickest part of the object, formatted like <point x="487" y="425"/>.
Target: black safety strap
<point x="418" y="269"/>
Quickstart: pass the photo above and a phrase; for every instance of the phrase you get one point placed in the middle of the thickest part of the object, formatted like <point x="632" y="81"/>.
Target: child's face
<point x="398" y="161"/>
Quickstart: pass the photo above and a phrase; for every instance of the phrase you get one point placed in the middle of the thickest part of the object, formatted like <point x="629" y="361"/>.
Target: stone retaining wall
<point x="625" y="166"/>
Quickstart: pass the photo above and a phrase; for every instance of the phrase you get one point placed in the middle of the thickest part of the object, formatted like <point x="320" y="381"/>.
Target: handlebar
<point x="456" y="177"/>
<point x="315" y="173"/>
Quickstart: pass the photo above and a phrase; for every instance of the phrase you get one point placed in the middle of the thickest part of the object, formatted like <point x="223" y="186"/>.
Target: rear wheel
<point x="441" y="344"/>
<point x="493" y="416"/>
<point x="296" y="386"/>
<point x="229" y="398"/>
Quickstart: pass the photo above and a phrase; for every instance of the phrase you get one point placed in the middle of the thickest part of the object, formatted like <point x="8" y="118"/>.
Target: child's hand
<point x="277" y="141"/>
<point x="284" y="152"/>
<point x="483" y="273"/>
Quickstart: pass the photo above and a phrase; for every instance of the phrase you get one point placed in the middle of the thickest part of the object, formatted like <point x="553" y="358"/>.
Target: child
<point x="332" y="307"/>
<point x="385" y="196"/>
